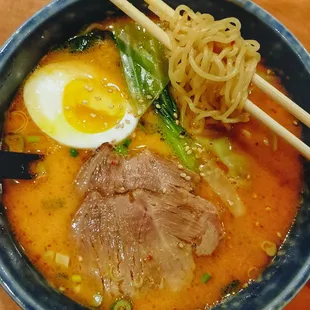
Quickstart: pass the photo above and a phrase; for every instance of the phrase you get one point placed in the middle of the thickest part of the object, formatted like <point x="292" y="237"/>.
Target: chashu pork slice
<point x="139" y="232"/>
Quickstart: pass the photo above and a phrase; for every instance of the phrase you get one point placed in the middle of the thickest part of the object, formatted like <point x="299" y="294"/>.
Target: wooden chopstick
<point x="263" y="85"/>
<point x="281" y="99"/>
<point x="163" y="37"/>
<point x="143" y="20"/>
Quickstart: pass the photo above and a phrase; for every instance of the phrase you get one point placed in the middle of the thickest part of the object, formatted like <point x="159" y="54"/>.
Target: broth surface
<point x="40" y="211"/>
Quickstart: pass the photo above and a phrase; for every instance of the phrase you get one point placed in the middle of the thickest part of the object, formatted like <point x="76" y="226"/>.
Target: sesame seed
<point x="113" y="141"/>
<point x="141" y="100"/>
<point x="268" y="209"/>
<point x="183" y="175"/>
<point x="266" y="141"/>
<point x="201" y="167"/>
<point x="149" y="97"/>
<point x="199" y="150"/>
<point x="254" y="196"/>
<point x="62" y="289"/>
<point x="80" y="258"/>
<point x="127" y="121"/>
<point x="84" y="101"/>
<point x="256" y="224"/>
<point x="111" y="106"/>
<point x="110" y="90"/>
<point x="97" y="98"/>
<point x="120" y="106"/>
<point x="105" y="124"/>
<point x="134" y="135"/>
<point x="180" y="167"/>
<point x="246" y="133"/>
<point x="88" y="88"/>
<point x="175" y="115"/>
<point x="279" y="234"/>
<point x="92" y="114"/>
<point x="268" y="71"/>
<point x="117" y="122"/>
<point x="202" y="174"/>
<point x="295" y="123"/>
<point x="139" y="112"/>
<point x="189" y="152"/>
<point x="187" y="178"/>
<point x="67" y="108"/>
<point x="177" y="122"/>
<point x="157" y="106"/>
<point x="181" y="136"/>
<point x="164" y="190"/>
<point x="248" y="177"/>
<point x="186" y="148"/>
<point x="194" y="148"/>
<point x="180" y="245"/>
<point x="122" y="188"/>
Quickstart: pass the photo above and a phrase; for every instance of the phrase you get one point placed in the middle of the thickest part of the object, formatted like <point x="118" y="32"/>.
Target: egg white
<point x="43" y="97"/>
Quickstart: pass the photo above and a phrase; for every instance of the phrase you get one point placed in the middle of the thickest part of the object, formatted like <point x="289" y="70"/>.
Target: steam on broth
<point x="257" y="173"/>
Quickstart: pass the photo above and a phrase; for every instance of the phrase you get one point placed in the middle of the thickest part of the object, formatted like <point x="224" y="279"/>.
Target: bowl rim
<point x="6" y="51"/>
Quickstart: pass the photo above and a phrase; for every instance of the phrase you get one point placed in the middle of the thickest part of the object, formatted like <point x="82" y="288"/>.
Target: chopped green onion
<point x="127" y="142"/>
<point x="74" y="153"/>
<point x="33" y="139"/>
<point x="122" y="148"/>
<point x="206" y="278"/>
<point x="40" y="169"/>
<point x="14" y="142"/>
<point x="121" y="304"/>
<point x="97" y="299"/>
<point x="76" y="278"/>
<point x="61" y="259"/>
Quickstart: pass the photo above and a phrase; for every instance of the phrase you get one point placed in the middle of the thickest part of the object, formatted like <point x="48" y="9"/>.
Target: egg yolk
<point x="92" y="107"/>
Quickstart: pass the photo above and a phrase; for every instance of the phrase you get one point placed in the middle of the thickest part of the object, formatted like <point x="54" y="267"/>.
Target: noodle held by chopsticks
<point x="210" y="66"/>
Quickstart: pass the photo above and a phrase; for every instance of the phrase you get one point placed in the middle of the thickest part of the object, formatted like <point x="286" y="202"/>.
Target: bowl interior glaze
<point x="282" y="52"/>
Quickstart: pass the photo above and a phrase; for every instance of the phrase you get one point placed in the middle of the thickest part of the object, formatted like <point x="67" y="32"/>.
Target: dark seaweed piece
<point x="82" y="43"/>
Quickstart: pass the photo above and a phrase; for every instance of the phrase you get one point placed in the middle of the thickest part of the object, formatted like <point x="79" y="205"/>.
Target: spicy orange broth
<point x="271" y="196"/>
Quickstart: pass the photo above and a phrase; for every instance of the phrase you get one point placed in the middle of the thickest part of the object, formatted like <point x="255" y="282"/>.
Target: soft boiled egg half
<point x="77" y="105"/>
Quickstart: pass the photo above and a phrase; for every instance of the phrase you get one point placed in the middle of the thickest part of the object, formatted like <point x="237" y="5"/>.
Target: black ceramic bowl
<point x="63" y="18"/>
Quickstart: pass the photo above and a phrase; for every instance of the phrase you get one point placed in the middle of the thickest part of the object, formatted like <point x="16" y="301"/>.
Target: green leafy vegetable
<point x="174" y="134"/>
<point x="122" y="148"/>
<point x="231" y="288"/>
<point x="222" y="148"/>
<point x="121" y="304"/>
<point x="144" y="64"/>
<point x="74" y="153"/>
<point x="206" y="277"/>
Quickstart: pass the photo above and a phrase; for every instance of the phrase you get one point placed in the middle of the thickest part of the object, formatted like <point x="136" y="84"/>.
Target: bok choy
<point x="145" y="68"/>
<point x="144" y="64"/>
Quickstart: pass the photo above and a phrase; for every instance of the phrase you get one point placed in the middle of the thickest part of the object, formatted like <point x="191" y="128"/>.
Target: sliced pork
<point x="140" y="224"/>
<point x="110" y="173"/>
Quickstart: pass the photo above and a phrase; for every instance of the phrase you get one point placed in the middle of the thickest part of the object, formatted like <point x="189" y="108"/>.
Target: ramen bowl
<point x="289" y="270"/>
